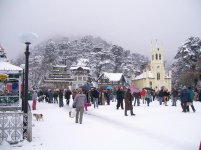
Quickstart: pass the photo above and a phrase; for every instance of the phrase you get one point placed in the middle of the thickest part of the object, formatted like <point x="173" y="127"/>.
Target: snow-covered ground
<point x="155" y="127"/>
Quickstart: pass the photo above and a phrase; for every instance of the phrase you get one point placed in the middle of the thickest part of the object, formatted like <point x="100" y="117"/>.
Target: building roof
<point x="1" y="48"/>
<point x="113" y="76"/>
<point x="144" y="75"/>
<point x="7" y="67"/>
<point x="76" y="67"/>
<point x="60" y="66"/>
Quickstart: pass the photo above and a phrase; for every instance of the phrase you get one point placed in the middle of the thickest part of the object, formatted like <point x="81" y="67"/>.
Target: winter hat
<point x="184" y="87"/>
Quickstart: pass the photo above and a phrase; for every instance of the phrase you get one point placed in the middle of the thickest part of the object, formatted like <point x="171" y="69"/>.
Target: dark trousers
<point x="138" y="101"/>
<point x="120" y="103"/>
<point x="67" y="101"/>
<point x="108" y="101"/>
<point x="187" y="107"/>
<point x="61" y="103"/>
<point x="183" y="106"/>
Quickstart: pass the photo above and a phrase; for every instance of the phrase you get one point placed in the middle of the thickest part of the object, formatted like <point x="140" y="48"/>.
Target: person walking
<point x="61" y="103"/>
<point x="160" y="96"/>
<point x="95" y="97"/>
<point x="190" y="100"/>
<point x="67" y="96"/>
<point x="184" y="96"/>
<point x="34" y="100"/>
<point x="50" y="95"/>
<point x="143" y="94"/>
<point x="128" y="103"/>
<point x="114" y="93"/>
<point x="79" y="101"/>
<point x="55" y="96"/>
<point x="174" y="95"/>
<point x="137" y="96"/>
<point x="148" y="97"/>
<point x="102" y="97"/>
<point x="120" y="97"/>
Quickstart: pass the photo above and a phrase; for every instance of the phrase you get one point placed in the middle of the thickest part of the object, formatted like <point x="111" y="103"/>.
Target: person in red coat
<point x="34" y="100"/>
<point x="143" y="94"/>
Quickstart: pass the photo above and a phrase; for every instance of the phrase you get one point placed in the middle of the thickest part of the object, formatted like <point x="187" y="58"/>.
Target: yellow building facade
<point x="154" y="75"/>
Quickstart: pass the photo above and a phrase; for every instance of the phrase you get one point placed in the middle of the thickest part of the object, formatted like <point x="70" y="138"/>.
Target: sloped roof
<point x="148" y="74"/>
<point x="76" y="67"/>
<point x="1" y="48"/>
<point x="8" y="67"/>
<point x="112" y="76"/>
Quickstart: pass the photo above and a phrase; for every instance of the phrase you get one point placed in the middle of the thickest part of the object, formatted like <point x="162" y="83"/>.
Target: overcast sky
<point x="132" y="24"/>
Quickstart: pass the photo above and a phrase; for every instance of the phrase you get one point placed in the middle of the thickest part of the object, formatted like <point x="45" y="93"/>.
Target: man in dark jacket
<point x="160" y="96"/>
<point x="95" y="96"/>
<point x="67" y="96"/>
<point x="184" y="98"/>
<point x="120" y="97"/>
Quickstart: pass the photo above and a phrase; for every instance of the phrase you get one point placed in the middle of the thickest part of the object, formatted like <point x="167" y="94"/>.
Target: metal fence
<point x="12" y="126"/>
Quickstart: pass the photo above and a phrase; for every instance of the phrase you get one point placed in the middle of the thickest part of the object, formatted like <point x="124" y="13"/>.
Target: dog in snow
<point x="38" y="116"/>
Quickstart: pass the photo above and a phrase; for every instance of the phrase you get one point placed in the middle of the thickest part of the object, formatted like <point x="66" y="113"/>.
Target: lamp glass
<point x="28" y="37"/>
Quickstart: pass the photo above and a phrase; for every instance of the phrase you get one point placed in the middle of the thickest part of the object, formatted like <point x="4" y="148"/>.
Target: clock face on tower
<point x="158" y="67"/>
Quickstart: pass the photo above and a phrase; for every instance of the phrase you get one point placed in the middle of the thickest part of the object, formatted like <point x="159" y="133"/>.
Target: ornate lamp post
<point x="26" y="38"/>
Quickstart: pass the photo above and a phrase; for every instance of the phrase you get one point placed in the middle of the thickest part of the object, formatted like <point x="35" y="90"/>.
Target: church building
<point x="154" y="76"/>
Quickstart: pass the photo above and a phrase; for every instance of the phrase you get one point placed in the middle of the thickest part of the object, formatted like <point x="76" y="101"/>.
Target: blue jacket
<point x="185" y="96"/>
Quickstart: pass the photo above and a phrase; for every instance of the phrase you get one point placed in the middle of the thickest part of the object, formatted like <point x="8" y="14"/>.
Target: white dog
<point x="38" y="116"/>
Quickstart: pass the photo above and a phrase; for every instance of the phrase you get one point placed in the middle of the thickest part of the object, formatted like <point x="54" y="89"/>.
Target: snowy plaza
<point x="155" y="127"/>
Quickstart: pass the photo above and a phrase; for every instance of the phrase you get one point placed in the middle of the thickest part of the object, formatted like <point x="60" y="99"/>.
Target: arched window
<point x="152" y="57"/>
<point x="159" y="56"/>
<point x="150" y="83"/>
<point x="158" y="76"/>
<point x="156" y="56"/>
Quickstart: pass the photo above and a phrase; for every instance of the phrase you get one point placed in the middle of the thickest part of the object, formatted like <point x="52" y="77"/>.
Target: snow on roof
<point x="113" y="76"/>
<point x="7" y="67"/>
<point x="76" y="67"/>
<point x="60" y="66"/>
<point x="147" y="74"/>
<point x="1" y="48"/>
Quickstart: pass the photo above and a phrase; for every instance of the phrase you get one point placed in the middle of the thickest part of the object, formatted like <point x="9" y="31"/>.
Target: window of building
<point x="156" y="56"/>
<point x="159" y="56"/>
<point x="158" y="76"/>
<point x="152" y="57"/>
<point x="79" y="78"/>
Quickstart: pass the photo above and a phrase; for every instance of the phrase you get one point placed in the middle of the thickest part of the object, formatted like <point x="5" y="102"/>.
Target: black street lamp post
<point x="26" y="83"/>
<point x="26" y="38"/>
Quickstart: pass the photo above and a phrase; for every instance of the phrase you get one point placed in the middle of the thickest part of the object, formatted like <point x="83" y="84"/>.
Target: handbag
<point x="87" y="104"/>
<point x="74" y="105"/>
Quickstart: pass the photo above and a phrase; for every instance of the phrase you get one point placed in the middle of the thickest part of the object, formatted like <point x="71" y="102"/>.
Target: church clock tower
<point x="157" y="66"/>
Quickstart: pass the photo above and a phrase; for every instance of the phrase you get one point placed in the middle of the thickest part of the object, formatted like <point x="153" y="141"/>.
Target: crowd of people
<point x="124" y="98"/>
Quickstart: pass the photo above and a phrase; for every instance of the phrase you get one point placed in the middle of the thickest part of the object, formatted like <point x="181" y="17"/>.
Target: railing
<point x="12" y="126"/>
<point x="9" y="100"/>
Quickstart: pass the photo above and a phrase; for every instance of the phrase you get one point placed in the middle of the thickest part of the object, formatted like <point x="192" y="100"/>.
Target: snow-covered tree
<point x="186" y="68"/>
<point x="102" y="56"/>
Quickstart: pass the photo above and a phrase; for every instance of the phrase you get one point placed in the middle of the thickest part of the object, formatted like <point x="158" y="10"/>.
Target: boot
<point x="132" y="114"/>
<point x="125" y="113"/>
<point x="193" y="108"/>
